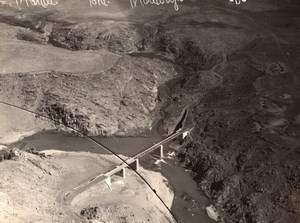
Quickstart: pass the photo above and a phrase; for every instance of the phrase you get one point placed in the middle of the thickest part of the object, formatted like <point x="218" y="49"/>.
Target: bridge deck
<point x="72" y="193"/>
<point x="141" y="154"/>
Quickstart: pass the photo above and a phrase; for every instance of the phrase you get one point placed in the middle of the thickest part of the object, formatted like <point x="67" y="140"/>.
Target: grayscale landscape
<point x="187" y="111"/>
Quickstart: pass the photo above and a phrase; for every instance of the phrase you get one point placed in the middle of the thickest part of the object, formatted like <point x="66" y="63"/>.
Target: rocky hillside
<point x="81" y="84"/>
<point x="244" y="150"/>
<point x="236" y="67"/>
<point x="121" y="100"/>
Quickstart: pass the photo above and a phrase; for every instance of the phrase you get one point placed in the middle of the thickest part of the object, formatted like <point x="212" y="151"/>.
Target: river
<point x="189" y="203"/>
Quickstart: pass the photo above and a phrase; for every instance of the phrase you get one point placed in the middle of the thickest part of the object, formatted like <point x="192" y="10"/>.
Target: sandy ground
<point x="49" y="58"/>
<point x="131" y="199"/>
<point x="32" y="189"/>
<point x="17" y="124"/>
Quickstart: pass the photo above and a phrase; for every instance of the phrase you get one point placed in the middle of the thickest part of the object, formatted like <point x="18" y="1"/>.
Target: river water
<point x="188" y="205"/>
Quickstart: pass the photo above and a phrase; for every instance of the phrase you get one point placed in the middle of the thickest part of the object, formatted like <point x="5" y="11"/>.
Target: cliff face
<point x="244" y="107"/>
<point x="121" y="100"/>
<point x="244" y="148"/>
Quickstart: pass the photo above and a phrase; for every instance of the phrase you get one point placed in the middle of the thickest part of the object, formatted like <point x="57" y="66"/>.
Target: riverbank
<point x="189" y="204"/>
<point x="33" y="186"/>
<point x="17" y="124"/>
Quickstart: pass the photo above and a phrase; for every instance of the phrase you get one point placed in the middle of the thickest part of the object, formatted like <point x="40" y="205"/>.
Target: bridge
<point x="122" y="167"/>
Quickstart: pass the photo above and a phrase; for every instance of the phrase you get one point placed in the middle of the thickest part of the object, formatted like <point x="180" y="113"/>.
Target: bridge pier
<point x="124" y="172"/>
<point x="185" y="134"/>
<point x="161" y="149"/>
<point x="137" y="165"/>
<point x="108" y="182"/>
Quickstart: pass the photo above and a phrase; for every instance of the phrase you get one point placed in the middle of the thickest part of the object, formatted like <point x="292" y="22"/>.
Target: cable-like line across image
<point x="101" y="145"/>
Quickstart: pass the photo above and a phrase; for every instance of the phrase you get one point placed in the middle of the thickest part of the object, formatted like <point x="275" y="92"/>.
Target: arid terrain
<point x="33" y="188"/>
<point x="116" y="71"/>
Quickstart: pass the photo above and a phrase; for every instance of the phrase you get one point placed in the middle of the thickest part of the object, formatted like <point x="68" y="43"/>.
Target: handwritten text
<point x="237" y="2"/>
<point x="43" y="3"/>
<point x="134" y="3"/>
<point x="99" y="3"/>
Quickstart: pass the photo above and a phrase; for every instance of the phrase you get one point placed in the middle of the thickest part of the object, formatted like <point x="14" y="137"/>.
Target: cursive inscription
<point x="99" y="3"/>
<point x="134" y="3"/>
<point x="43" y="3"/>
<point x="237" y="2"/>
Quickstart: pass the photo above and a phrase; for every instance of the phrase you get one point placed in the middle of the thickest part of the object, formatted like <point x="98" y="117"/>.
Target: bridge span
<point x="122" y="167"/>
